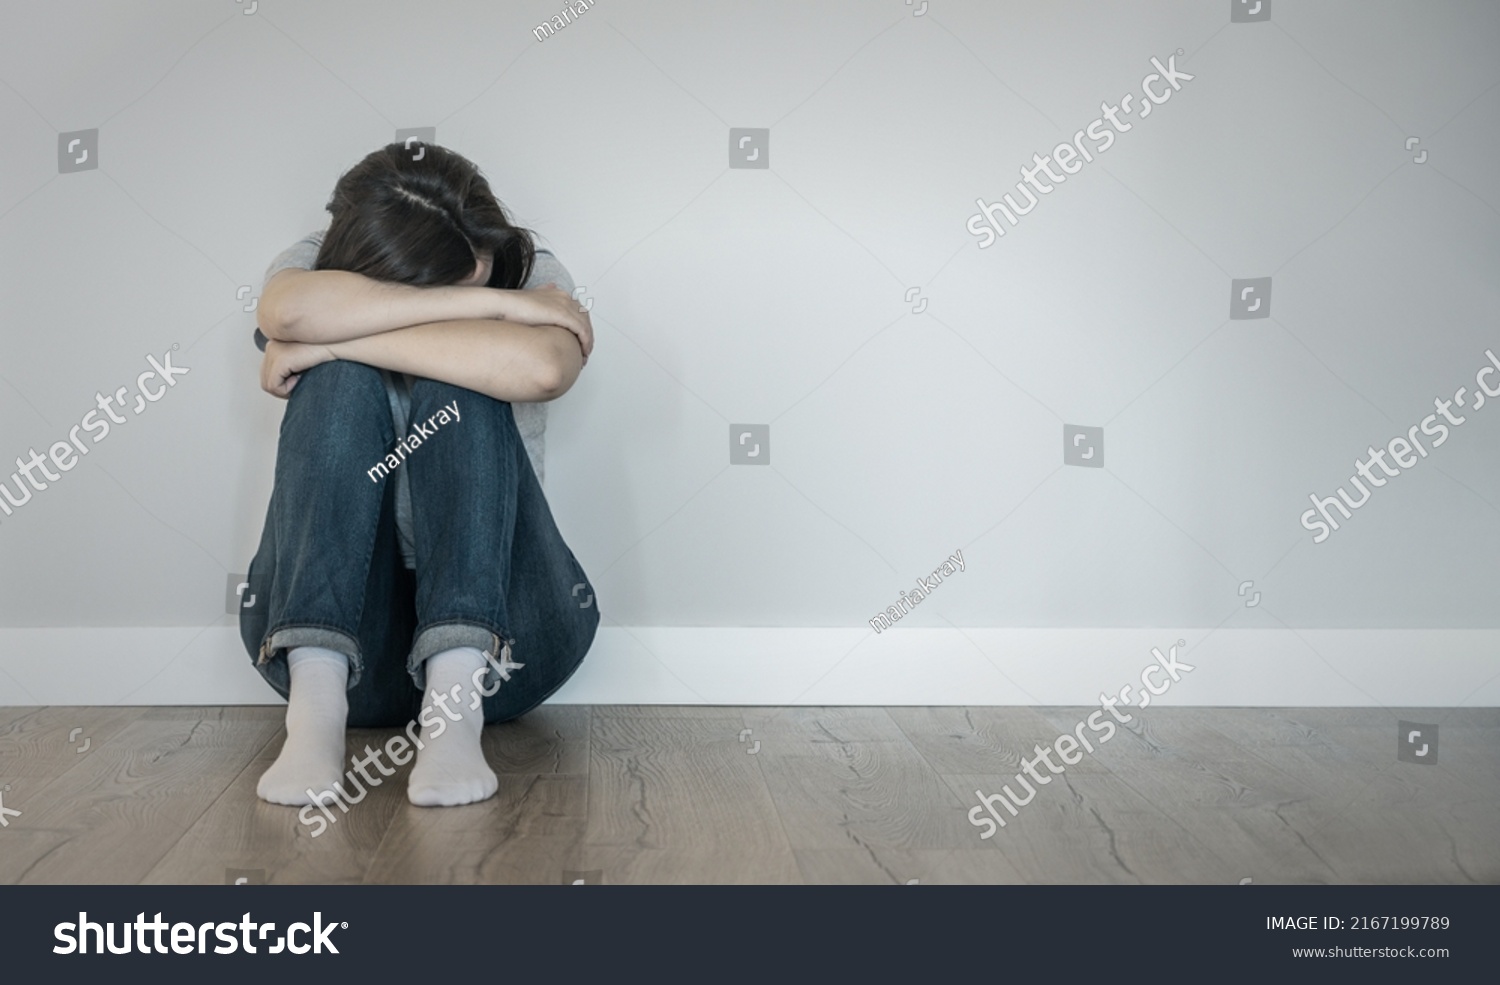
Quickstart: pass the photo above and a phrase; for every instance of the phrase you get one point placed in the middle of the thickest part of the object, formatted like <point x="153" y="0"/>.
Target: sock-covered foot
<point x="450" y="767"/>
<point x="316" y="714"/>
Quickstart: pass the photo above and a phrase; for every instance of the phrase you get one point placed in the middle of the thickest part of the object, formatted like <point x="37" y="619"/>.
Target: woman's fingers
<point x="554" y="306"/>
<point x="276" y="375"/>
<point x="584" y="332"/>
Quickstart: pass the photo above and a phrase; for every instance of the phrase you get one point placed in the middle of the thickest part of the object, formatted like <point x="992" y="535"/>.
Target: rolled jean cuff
<point x="272" y="659"/>
<point x="439" y="637"/>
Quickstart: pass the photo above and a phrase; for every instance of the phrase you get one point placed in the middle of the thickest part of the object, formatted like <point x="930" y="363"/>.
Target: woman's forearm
<point x="324" y="306"/>
<point x="501" y="359"/>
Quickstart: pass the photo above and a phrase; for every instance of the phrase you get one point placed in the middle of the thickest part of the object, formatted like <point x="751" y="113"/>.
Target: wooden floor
<point x="830" y="795"/>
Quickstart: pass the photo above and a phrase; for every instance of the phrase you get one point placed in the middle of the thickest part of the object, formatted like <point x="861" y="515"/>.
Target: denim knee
<point x="337" y="414"/>
<point x="338" y="374"/>
<point x="334" y="391"/>
<point x="430" y="396"/>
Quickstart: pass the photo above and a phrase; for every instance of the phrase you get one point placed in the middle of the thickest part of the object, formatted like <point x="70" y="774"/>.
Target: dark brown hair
<point x="421" y="217"/>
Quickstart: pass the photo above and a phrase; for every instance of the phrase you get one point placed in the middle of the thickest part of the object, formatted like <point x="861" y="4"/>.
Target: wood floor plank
<point x="529" y="833"/>
<point x="1234" y="801"/>
<point x="847" y="778"/>
<point x="1252" y="727"/>
<point x="825" y="724"/>
<point x="630" y="866"/>
<point x="878" y="796"/>
<point x="1350" y="735"/>
<point x="1271" y="734"/>
<point x="113" y="816"/>
<point x="1177" y="762"/>
<point x="1306" y="747"/>
<point x="1158" y="732"/>
<point x="13" y="713"/>
<point x="551" y="739"/>
<point x="980" y="740"/>
<point x="928" y="866"/>
<point x="36" y="748"/>
<point x="1269" y="830"/>
<point x="1472" y="716"/>
<point x="1394" y="833"/>
<point x="1343" y="762"/>
<point x="1081" y="828"/>
<point x="1467" y="764"/>
<point x="240" y="831"/>
<point x="681" y="784"/>
<point x="1348" y="761"/>
<point x="257" y="713"/>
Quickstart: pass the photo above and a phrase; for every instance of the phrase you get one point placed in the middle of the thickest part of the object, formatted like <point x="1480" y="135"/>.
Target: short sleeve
<point x="301" y="255"/>
<point x="547" y="268"/>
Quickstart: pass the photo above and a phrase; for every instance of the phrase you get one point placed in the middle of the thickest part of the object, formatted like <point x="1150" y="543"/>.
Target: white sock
<point x="317" y="712"/>
<point x="450" y="767"/>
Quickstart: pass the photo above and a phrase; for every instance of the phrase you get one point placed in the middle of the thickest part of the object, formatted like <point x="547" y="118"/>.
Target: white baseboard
<point x="754" y="666"/>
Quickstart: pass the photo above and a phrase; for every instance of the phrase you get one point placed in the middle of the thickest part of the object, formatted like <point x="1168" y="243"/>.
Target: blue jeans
<point x="491" y="567"/>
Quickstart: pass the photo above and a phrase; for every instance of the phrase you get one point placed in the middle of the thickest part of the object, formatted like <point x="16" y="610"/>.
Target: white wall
<point x="727" y="296"/>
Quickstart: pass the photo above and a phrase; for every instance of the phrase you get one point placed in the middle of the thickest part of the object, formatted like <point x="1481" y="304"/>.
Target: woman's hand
<point x="285" y="362"/>
<point x="550" y="305"/>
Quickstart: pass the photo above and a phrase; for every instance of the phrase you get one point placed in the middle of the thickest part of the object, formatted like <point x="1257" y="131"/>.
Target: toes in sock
<point x="316" y="714"/>
<point x="450" y="767"/>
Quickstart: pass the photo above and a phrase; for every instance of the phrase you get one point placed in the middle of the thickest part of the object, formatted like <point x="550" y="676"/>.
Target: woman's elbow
<point x="556" y="374"/>
<point x="276" y="319"/>
<point x="554" y="380"/>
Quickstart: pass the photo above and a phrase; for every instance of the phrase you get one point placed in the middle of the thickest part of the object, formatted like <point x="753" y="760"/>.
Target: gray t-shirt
<point x="531" y="418"/>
